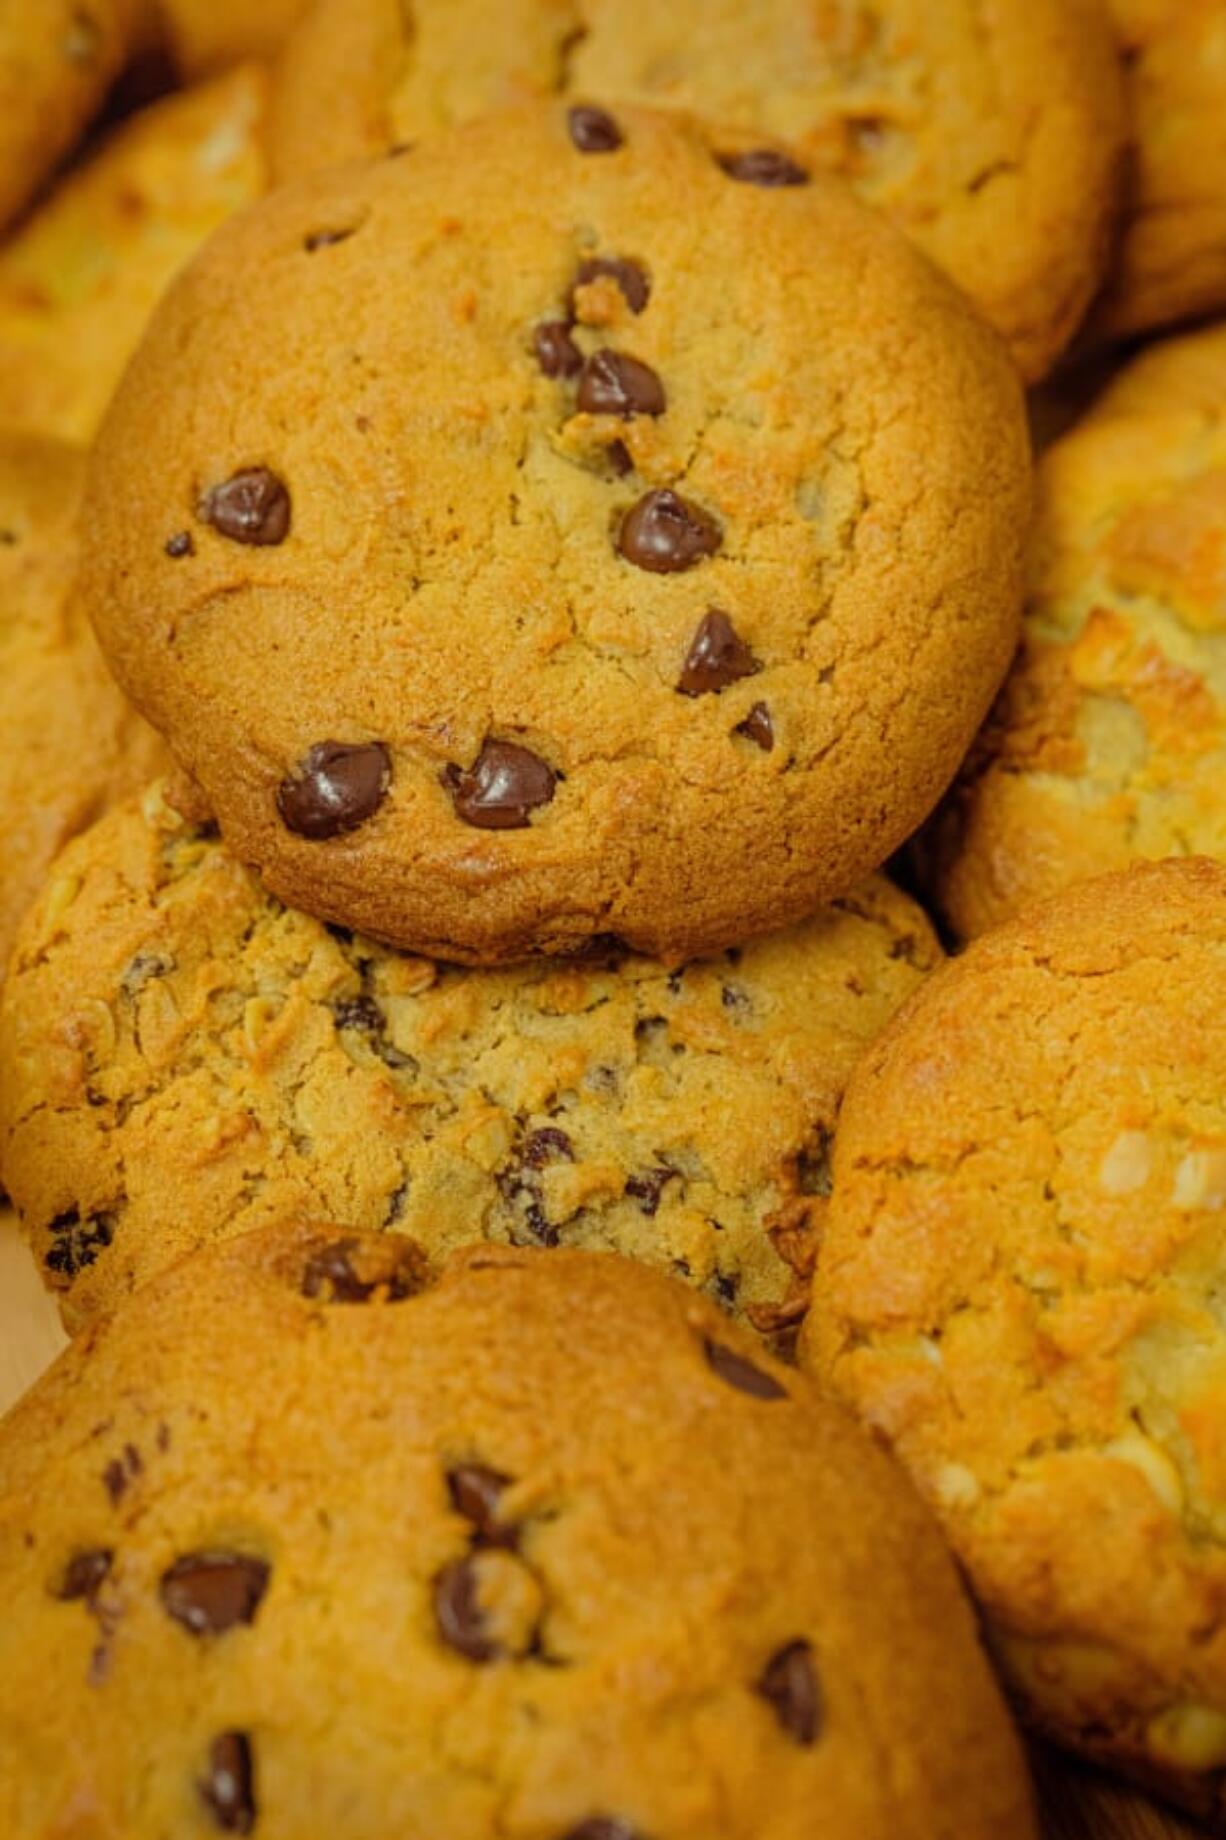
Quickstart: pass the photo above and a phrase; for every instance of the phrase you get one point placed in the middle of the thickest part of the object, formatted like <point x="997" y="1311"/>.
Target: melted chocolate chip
<point x="615" y="384"/>
<point x="252" y="507"/>
<point x="647" y="1187"/>
<point x="547" y="1146"/>
<point x="665" y="533"/>
<point x="789" y="1683"/>
<point x="736" y="1371"/>
<point x="618" y="456"/>
<point x="324" y="239"/>
<point x="209" y="1592"/>
<point x="604" y="1827"/>
<point x="228" y="1790"/>
<point x="475" y="1492"/>
<point x="330" y="1273"/>
<point x="503" y="787"/>
<point x="630" y="278"/>
<point x="84" y="1574"/>
<point x="717" y="657"/>
<point x="758" y="727"/>
<point x="458" y="1613"/>
<point x="763" y="166"/>
<point x="556" y="352"/>
<point x="180" y="544"/>
<point x="593" y="131"/>
<point x="336" y="788"/>
<point x="120" y="1471"/>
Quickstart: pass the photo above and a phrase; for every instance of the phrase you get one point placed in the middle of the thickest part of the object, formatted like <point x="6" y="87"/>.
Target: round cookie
<point x="72" y="744"/>
<point x="1108" y="741"/>
<point x="521" y="542"/>
<point x="182" y="1057"/>
<point x="962" y="123"/>
<point x="81" y="276"/>
<point x="1018" y="1288"/>
<point x="298" y="1544"/>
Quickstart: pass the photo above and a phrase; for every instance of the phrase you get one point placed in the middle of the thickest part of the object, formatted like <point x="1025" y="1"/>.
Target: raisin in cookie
<point x="521" y="542"/>
<point x="1019" y="1287"/>
<point x="961" y="122"/>
<point x="1108" y="741"/>
<point x="71" y="742"/>
<point x="182" y="1057"/>
<point x="547" y="1548"/>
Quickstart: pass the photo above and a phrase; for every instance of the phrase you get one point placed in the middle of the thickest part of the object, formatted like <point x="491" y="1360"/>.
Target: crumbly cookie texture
<point x="962" y="122"/>
<point x="524" y="539"/>
<point x="72" y="744"/>
<point x="183" y="1057"/>
<point x="301" y="1544"/>
<point x="1108" y="741"/>
<point x="1019" y="1289"/>
<point x="80" y="278"/>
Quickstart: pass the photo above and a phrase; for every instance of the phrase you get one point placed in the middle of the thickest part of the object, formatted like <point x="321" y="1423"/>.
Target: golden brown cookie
<point x="182" y="1057"/>
<point x="522" y="542"/>
<point x="300" y="1544"/>
<point x="1019" y="1288"/>
<point x="1108" y="741"/>
<point x="81" y="276"/>
<point x="205" y="36"/>
<point x="71" y="742"/>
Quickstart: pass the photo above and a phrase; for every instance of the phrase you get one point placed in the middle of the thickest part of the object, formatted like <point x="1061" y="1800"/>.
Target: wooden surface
<point x="1077" y="1805"/>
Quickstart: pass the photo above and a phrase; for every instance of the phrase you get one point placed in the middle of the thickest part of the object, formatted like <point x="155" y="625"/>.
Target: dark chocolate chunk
<point x="663" y="532"/>
<point x="763" y="166"/>
<point x="613" y="383"/>
<point x="76" y="1243"/>
<point x="630" y="278"/>
<point x="647" y="1187"/>
<point x="209" y="1592"/>
<point x="228" y="1790"/>
<point x="458" y="1613"/>
<point x="556" y="352"/>
<point x="789" y="1683"/>
<point x="330" y="1273"/>
<point x="593" y="130"/>
<point x="84" y="1574"/>
<point x="548" y="1146"/>
<point x="717" y="657"/>
<point x="618" y="455"/>
<point x="758" y="728"/>
<point x="503" y="787"/>
<point x="252" y="507"/>
<point x="736" y="1371"/>
<point x="337" y="786"/>
<point x="180" y="544"/>
<point x="475" y="1492"/>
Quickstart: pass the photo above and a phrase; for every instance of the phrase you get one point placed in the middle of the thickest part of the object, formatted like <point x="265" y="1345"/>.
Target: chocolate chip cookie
<point x="1108" y="742"/>
<point x="1019" y="1288"/>
<point x="546" y="1548"/>
<point x="527" y="539"/>
<point x="183" y="1057"/>
<point x="206" y="36"/>
<point x="71" y="742"/>
<point x="962" y="123"/>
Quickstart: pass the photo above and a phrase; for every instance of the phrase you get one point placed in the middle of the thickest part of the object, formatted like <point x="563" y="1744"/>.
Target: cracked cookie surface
<point x="1019" y="1287"/>
<point x="960" y="121"/>
<point x="548" y="1548"/>
<point x="182" y="1057"/>
<point x="521" y="542"/>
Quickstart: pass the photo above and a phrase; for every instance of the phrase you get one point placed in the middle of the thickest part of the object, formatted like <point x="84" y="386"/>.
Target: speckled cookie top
<point x="522" y="541"/>
<point x="1019" y="1287"/>
<point x="961" y="121"/>
<point x="547" y="1549"/>
<point x="181" y="1058"/>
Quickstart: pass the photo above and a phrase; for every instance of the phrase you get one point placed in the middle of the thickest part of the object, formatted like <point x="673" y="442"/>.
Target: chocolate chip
<point x="398" y="1269"/>
<point x="458" y="1612"/>
<point x="180" y="545"/>
<point x="604" y="1827"/>
<point x="547" y="1146"/>
<point x="789" y="1684"/>
<point x="475" y="1492"/>
<point x="77" y="1243"/>
<point x="503" y="787"/>
<point x="120" y="1471"/>
<point x="209" y="1592"/>
<point x="618" y="455"/>
<point x="364" y="1015"/>
<point x="556" y="352"/>
<point x="717" y="657"/>
<point x="84" y="1574"/>
<point x="228" y="1791"/>
<point x="736" y="1371"/>
<point x="665" y="533"/>
<point x="324" y="239"/>
<point x="336" y="788"/>
<point x="630" y="278"/>
<point x="252" y="507"/>
<point x="647" y="1187"/>
<point x="758" y="727"/>
<point x="593" y="131"/>
<point x="615" y="384"/>
<point x="143" y="969"/>
<point x="763" y="166"/>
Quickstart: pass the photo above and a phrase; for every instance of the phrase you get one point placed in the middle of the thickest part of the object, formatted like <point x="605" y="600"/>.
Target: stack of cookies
<point x="595" y="897"/>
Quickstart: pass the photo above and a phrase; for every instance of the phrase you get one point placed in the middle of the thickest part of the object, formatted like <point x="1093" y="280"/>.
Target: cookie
<point x="1018" y="1289"/>
<point x="1108" y="742"/>
<point x="960" y="125"/>
<point x="512" y="561"/>
<point x="546" y="1548"/>
<point x="80" y="278"/>
<point x="164" y="1015"/>
<point x="203" y="37"/>
<point x="72" y="744"/>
